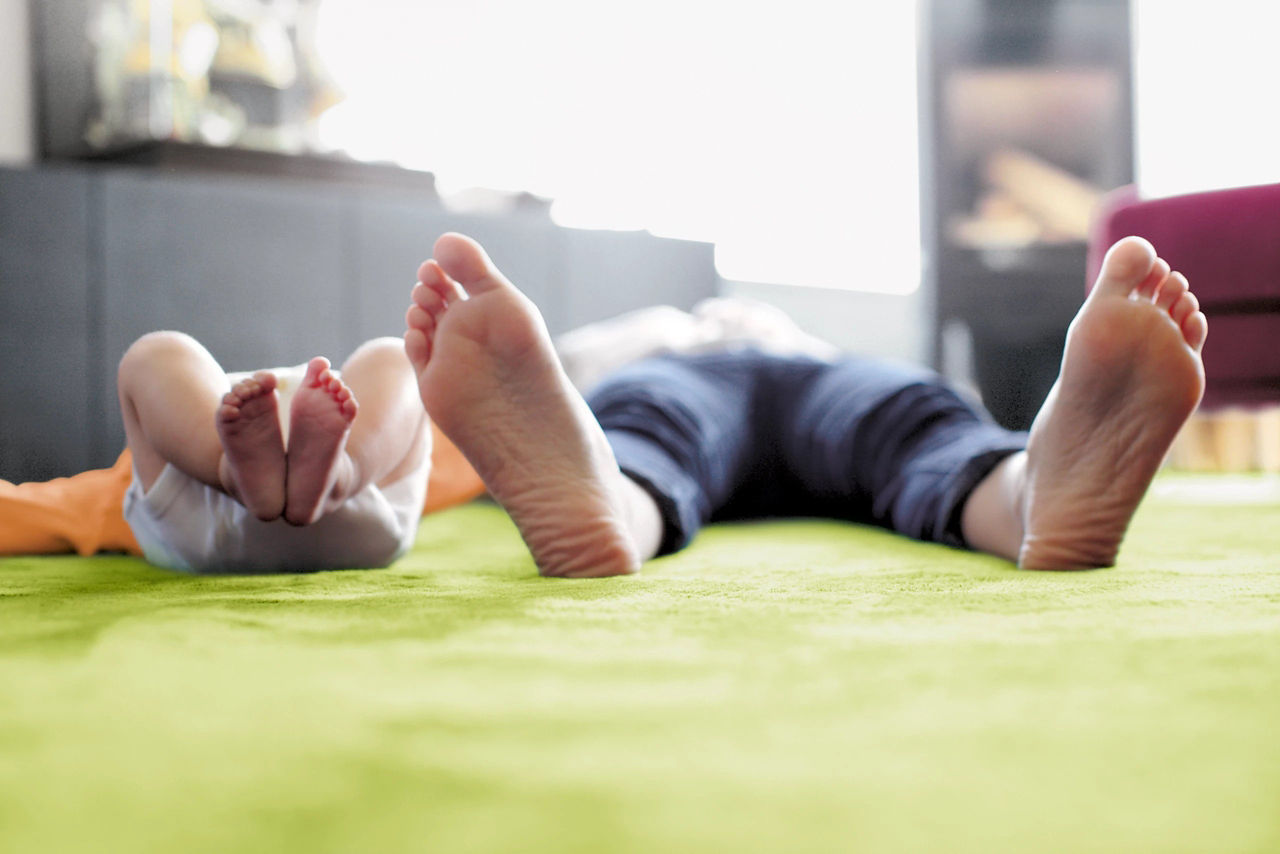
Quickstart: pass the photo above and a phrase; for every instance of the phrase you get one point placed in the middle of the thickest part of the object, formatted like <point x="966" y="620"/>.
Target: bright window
<point x="784" y="133"/>
<point x="1205" y="78"/>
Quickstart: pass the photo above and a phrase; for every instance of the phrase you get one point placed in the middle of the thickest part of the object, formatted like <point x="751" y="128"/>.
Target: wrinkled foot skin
<point x="319" y="470"/>
<point x="1131" y="375"/>
<point x="489" y="377"/>
<point x="252" y="469"/>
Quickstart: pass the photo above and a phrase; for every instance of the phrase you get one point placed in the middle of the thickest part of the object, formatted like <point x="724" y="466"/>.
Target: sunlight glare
<point x="1204" y="77"/>
<point x="785" y="134"/>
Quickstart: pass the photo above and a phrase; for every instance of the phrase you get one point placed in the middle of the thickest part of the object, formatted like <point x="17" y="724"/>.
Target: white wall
<point x="1205" y="90"/>
<point x="17" y="113"/>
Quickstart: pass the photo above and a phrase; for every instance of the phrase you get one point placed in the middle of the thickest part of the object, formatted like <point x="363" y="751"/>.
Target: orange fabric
<point x="84" y="513"/>
<point x="81" y="514"/>
<point x="453" y="480"/>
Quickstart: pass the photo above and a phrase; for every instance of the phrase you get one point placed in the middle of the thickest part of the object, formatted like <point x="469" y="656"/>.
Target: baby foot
<point x="1131" y="375"/>
<point x="489" y="377"/>
<point x="252" y="468"/>
<point x="320" y="421"/>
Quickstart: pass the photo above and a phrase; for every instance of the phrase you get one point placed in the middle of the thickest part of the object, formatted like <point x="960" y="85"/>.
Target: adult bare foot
<point x="252" y="469"/>
<point x="1131" y="375"/>
<point x="319" y="471"/>
<point x="489" y="376"/>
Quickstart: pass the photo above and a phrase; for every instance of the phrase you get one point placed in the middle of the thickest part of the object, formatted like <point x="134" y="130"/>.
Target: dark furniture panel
<point x="47" y="338"/>
<point x="574" y="276"/>
<point x="256" y="273"/>
<point x="394" y="235"/>
<point x="64" y="69"/>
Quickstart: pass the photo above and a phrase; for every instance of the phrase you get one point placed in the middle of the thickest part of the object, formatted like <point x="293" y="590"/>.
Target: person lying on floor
<point x="84" y="513"/>
<point x="598" y="485"/>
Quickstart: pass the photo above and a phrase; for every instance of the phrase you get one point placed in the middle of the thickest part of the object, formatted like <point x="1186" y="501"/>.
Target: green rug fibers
<point x="779" y="687"/>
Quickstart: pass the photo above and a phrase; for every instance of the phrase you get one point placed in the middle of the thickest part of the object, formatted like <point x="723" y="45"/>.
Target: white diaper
<point x="183" y="524"/>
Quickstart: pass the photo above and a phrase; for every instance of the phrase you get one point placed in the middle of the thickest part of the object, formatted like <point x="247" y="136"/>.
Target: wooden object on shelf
<point x="1000" y="221"/>
<point x="1060" y="201"/>
<point x="1229" y="440"/>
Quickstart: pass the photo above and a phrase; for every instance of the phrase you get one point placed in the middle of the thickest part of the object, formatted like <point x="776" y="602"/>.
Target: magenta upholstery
<point x="1227" y="244"/>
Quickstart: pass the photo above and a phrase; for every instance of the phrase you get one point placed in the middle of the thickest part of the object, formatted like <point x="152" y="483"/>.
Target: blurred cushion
<point x="1227" y="244"/>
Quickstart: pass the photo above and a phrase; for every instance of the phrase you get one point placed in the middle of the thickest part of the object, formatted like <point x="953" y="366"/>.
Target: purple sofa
<point x="1227" y="244"/>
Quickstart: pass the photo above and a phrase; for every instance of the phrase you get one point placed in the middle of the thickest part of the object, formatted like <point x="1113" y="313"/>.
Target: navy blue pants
<point x="742" y="434"/>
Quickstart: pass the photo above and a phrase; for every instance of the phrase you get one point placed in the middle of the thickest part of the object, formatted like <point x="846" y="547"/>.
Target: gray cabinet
<point x="49" y="337"/>
<point x="392" y="235"/>
<point x="263" y="271"/>
<point x="255" y="273"/>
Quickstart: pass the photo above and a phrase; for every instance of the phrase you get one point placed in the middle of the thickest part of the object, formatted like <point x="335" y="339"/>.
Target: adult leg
<point x="747" y="434"/>
<point x="928" y="466"/>
<point x="180" y="409"/>
<point x="689" y="430"/>
<point x="889" y="444"/>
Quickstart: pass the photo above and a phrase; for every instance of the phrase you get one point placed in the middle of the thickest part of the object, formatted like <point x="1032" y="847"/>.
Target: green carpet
<point x="793" y="686"/>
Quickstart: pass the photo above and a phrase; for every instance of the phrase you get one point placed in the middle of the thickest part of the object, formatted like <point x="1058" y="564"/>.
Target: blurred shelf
<point x="174" y="156"/>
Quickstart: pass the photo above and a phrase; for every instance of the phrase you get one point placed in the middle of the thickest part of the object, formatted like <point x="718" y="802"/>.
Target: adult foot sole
<point x="489" y="377"/>
<point x="1131" y="375"/>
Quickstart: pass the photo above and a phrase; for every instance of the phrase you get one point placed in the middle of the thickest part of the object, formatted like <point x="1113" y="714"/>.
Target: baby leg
<point x="179" y="409"/>
<point x="392" y="435"/>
